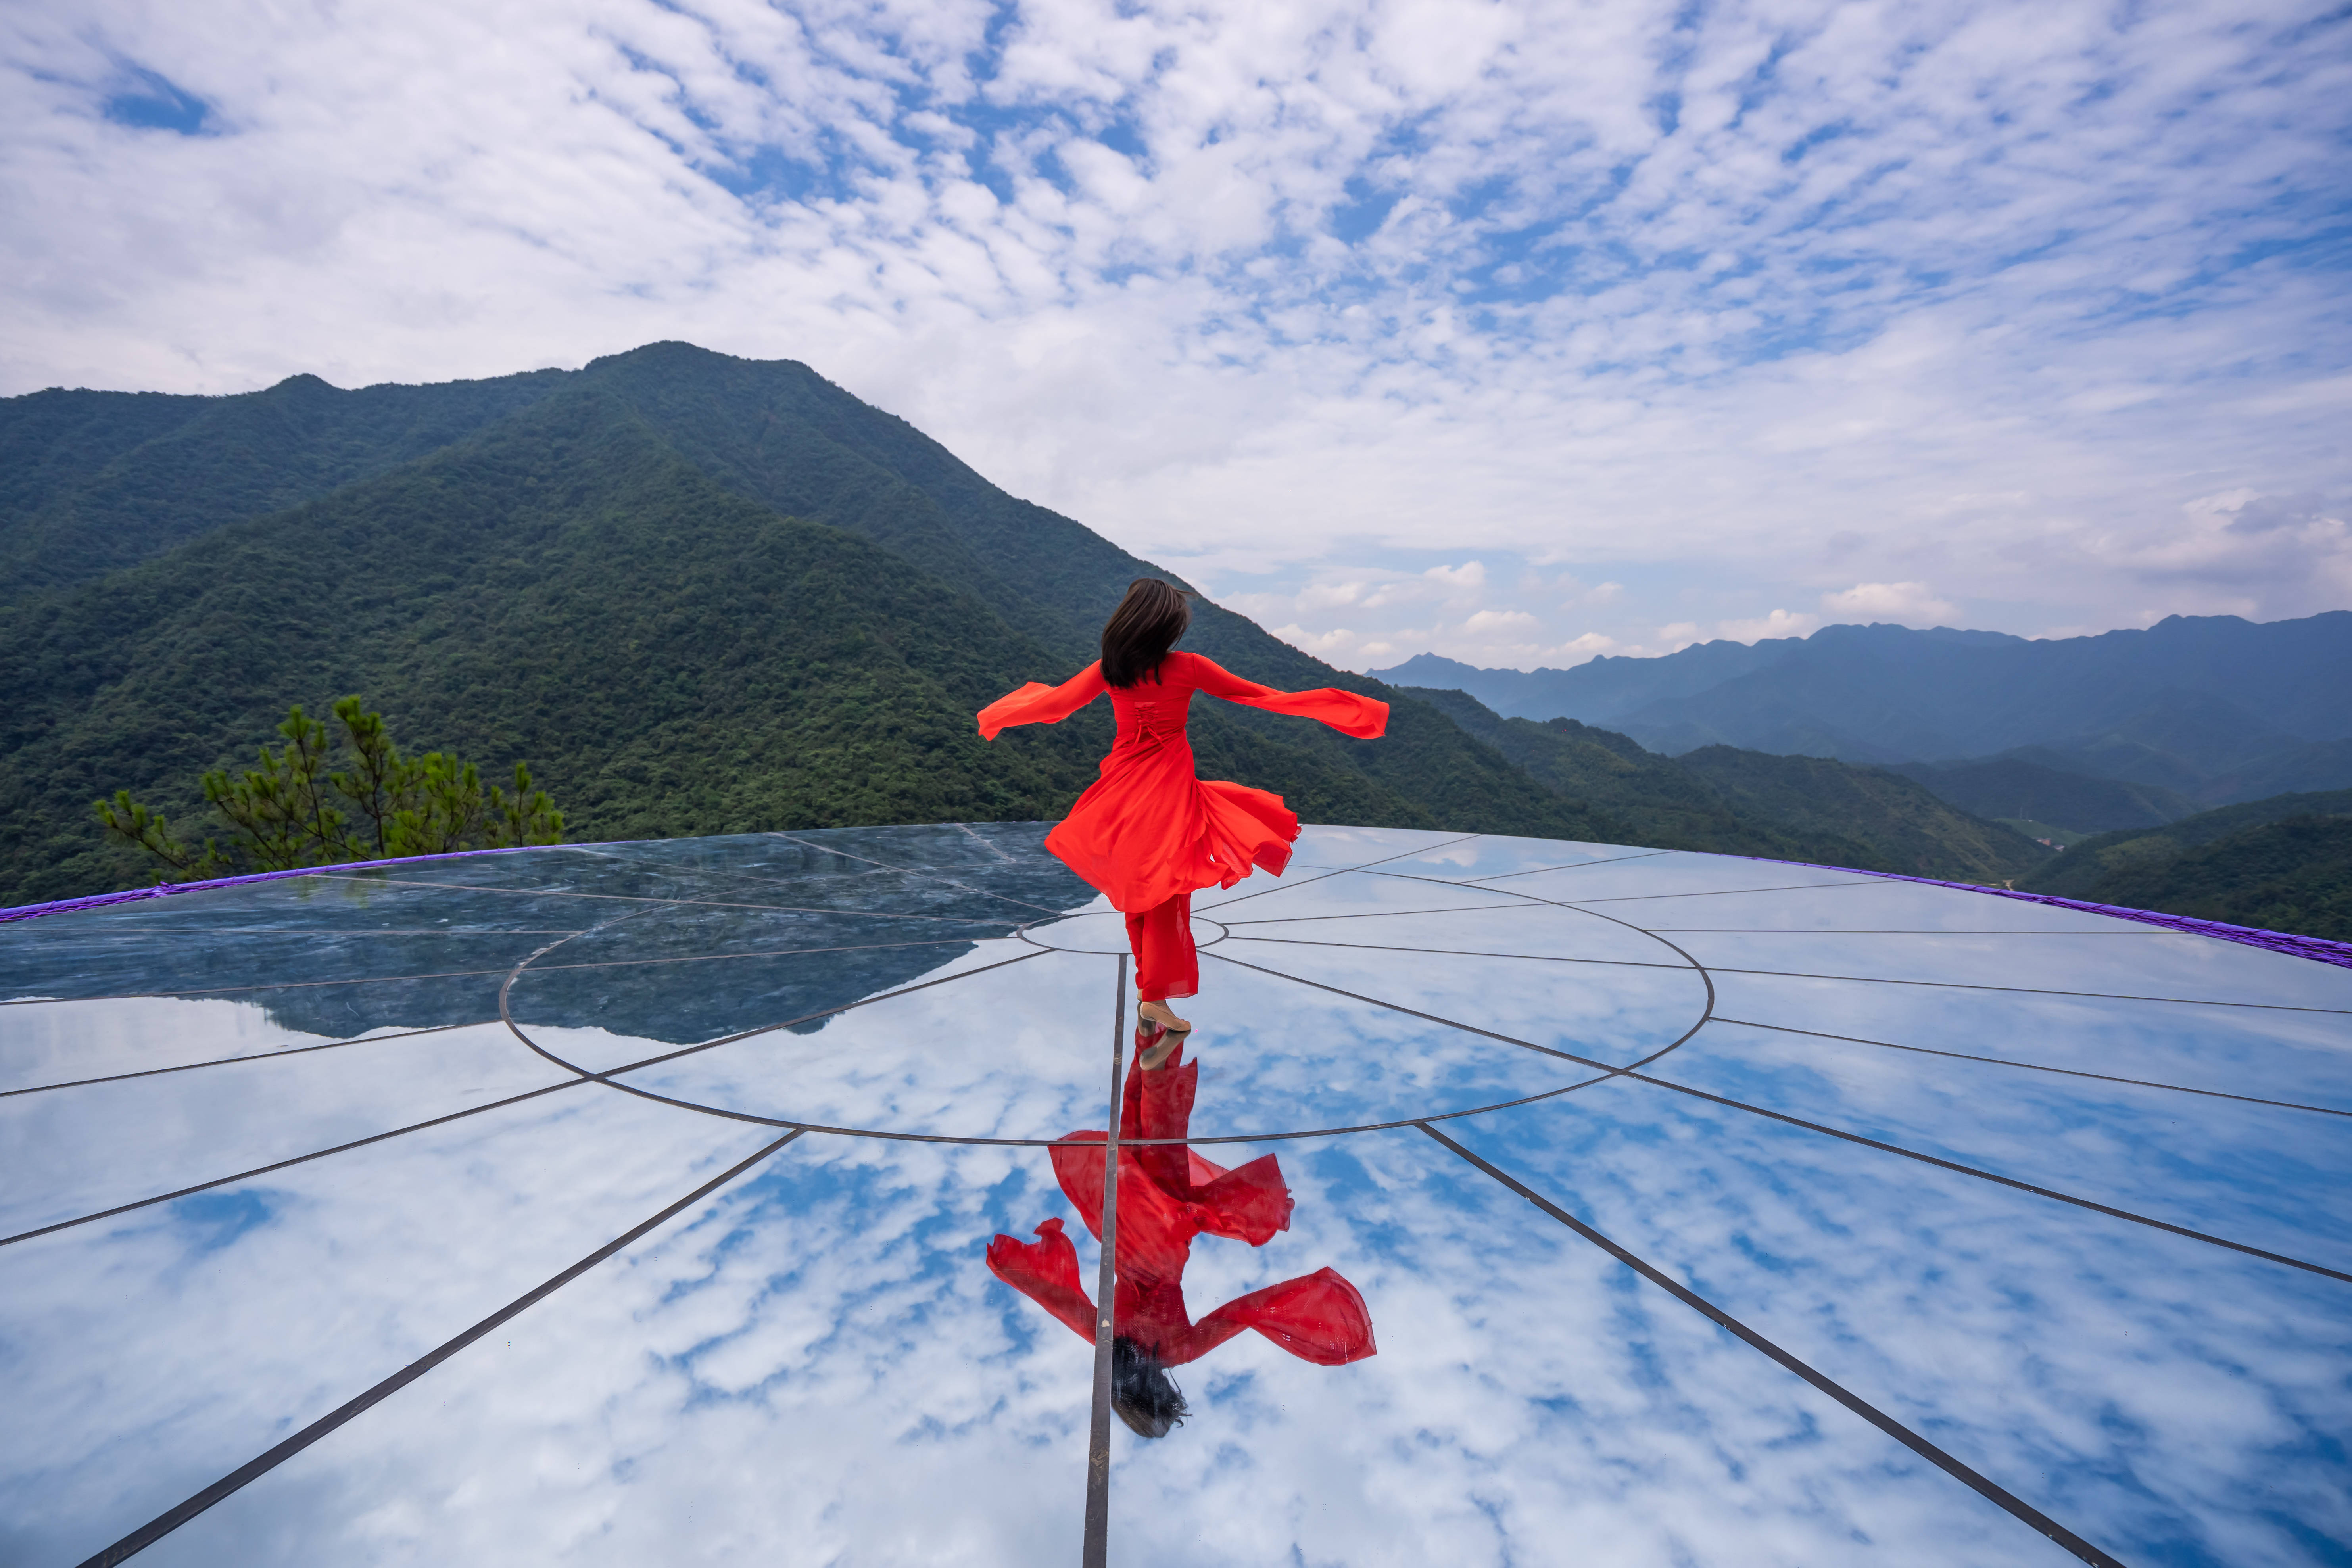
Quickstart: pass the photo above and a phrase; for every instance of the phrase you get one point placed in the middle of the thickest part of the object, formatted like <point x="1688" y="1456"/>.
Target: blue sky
<point x="1518" y="331"/>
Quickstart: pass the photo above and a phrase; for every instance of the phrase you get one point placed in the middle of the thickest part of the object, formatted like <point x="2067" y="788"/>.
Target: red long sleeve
<point x="1365" y="718"/>
<point x="1047" y="1271"/>
<point x="1039" y="703"/>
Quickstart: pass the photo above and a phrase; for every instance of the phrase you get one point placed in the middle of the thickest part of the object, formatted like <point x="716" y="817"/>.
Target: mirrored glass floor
<point x="1513" y="1202"/>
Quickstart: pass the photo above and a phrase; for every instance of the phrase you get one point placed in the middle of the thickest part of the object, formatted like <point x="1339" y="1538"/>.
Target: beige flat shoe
<point x="1156" y="1015"/>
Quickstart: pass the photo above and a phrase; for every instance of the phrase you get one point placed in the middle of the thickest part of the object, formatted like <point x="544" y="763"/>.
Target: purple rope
<point x="2326" y="952"/>
<point x="165" y="889"/>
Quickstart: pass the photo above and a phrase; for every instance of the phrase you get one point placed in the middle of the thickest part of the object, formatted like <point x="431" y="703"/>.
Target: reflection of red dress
<point x="1149" y="829"/>
<point x="1167" y="1195"/>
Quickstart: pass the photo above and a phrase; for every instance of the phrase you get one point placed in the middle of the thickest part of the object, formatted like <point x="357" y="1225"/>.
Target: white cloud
<point x="1469" y="575"/>
<point x="1779" y="624"/>
<point x="1969" y="291"/>
<point x="1908" y="602"/>
<point x="1499" y="620"/>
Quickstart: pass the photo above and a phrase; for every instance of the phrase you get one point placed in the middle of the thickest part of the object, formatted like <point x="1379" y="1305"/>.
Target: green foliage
<point x="1897" y="825"/>
<point x="93" y="481"/>
<point x="1733" y="801"/>
<point x="284" y="813"/>
<point x="2092" y="864"/>
<point x="2291" y="875"/>
<point x="1999" y="788"/>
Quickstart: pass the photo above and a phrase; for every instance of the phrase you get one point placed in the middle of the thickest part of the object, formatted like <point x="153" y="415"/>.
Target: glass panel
<point x="1018" y="1051"/>
<point x="608" y="1018"/>
<point x="67" y="1042"/>
<point x="830" y="1357"/>
<point x="2269" y="1176"/>
<point x="1665" y="882"/>
<point x="2169" y="1400"/>
<point x="165" y="1349"/>
<point x="2270" y="1053"/>
<point x="1531" y="1401"/>
<point x="1516" y="929"/>
<point x="1340" y="892"/>
<point x="72" y="1152"/>
<point x="2162" y="964"/>
<point x="814" y="1365"/>
<point x="1604" y="1013"/>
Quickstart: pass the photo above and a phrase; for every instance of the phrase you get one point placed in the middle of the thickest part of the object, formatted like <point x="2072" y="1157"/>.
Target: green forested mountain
<point x="697" y="595"/>
<point x="1752" y="803"/>
<point x="90" y="481"/>
<point x="2283" y="864"/>
<point x="2013" y="786"/>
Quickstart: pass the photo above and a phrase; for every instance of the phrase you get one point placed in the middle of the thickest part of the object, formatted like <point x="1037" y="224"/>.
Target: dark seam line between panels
<point x="1367" y="866"/>
<point x="609" y="1078"/>
<point x="1460" y="952"/>
<point x="911" y="871"/>
<point x="256" y="1057"/>
<point x="755" y="1118"/>
<point x="2003" y="1180"/>
<point x="272" y="985"/>
<point x="470" y="973"/>
<point x="1095" y="1546"/>
<point x="507" y="1017"/>
<point x="1982" y="1485"/>
<point x="297" y="1160"/>
<point x="1777" y="974"/>
<point x="2031" y="1067"/>
<point x="1719" y="892"/>
<point x="1630" y="1072"/>
<point x="2029" y="990"/>
<point x="1633" y="898"/>
<point x="1602" y="1067"/>
<point x="1376" y="914"/>
<point x="631" y="898"/>
<point x="154" y="1529"/>
<point x="1564" y="865"/>
<point x="1789" y="974"/>
<point x="769" y="953"/>
<point x="1899" y="931"/>
<point x="309" y="934"/>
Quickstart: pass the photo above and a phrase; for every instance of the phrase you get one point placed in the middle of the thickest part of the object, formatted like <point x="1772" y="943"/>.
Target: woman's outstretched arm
<point x="1365" y="718"/>
<point x="1039" y="703"/>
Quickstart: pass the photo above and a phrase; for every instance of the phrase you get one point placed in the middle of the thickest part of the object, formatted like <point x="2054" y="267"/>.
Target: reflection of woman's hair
<point x="1142" y="629"/>
<point x="1142" y="1392"/>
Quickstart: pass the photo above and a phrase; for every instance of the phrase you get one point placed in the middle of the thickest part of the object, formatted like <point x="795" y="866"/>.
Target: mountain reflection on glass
<point x="1167" y="1195"/>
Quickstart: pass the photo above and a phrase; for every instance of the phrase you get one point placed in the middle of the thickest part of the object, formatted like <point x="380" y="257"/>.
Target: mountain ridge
<point x="565" y="583"/>
<point x="2214" y="708"/>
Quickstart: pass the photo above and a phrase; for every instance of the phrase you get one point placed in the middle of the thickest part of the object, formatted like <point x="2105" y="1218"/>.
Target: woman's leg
<point x="1166" y="963"/>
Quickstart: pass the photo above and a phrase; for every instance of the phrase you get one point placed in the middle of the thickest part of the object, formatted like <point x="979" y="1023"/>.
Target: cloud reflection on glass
<point x="815" y="1358"/>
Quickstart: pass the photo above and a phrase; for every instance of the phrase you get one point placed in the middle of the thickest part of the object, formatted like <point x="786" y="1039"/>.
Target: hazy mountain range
<point x="2199" y="711"/>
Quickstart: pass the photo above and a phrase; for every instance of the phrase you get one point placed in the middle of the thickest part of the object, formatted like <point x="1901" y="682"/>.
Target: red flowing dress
<point x="1167" y="1195"/>
<point x="1150" y="829"/>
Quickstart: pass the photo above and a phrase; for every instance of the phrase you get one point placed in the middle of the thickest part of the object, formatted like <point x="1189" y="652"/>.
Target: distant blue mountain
<point x="2192" y="703"/>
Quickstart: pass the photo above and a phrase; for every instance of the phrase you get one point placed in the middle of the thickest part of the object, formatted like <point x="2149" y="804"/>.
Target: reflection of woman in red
<point x="1167" y="1195"/>
<point x="1148" y="833"/>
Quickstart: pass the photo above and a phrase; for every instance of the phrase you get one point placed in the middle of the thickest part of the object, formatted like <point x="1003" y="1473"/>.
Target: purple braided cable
<point x="2320" y="948"/>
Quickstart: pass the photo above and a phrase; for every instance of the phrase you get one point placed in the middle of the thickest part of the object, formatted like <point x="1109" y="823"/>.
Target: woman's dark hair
<point x="1142" y="1392"/>
<point x="1142" y="629"/>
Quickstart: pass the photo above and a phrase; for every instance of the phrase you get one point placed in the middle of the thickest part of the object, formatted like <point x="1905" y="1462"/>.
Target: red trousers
<point x="1165" y="962"/>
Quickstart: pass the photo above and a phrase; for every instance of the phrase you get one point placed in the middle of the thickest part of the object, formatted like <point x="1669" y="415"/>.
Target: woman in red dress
<point x="1167" y="1195"/>
<point x="1149" y="833"/>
